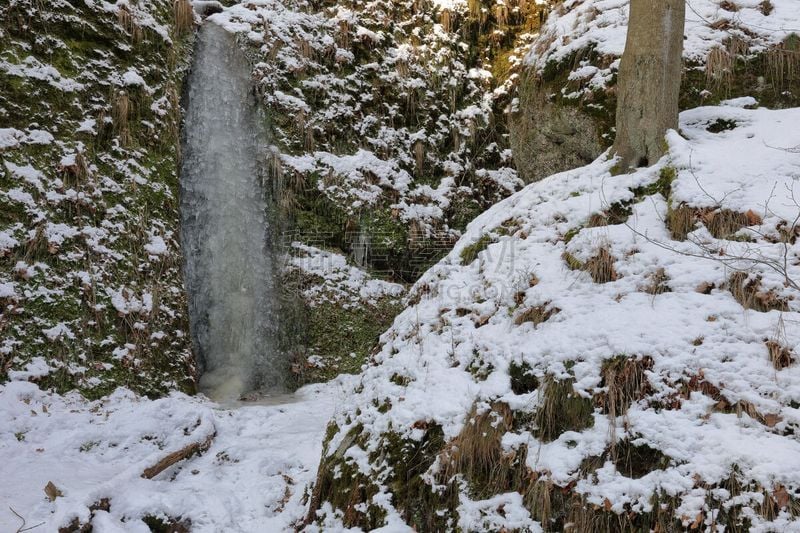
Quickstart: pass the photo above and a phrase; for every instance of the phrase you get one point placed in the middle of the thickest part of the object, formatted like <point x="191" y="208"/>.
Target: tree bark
<point x="649" y="81"/>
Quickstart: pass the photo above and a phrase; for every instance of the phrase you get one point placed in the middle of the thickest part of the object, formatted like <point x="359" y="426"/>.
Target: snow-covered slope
<point x="598" y="349"/>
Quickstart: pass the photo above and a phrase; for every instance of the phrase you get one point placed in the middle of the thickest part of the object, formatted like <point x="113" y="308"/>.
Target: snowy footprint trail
<point x="253" y="476"/>
<point x="229" y="266"/>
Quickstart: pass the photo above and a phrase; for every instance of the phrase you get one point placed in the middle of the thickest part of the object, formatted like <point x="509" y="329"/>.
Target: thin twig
<point x="22" y="527"/>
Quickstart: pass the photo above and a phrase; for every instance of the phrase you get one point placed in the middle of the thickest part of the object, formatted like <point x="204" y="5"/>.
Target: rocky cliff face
<point x="389" y="137"/>
<point x="90" y="277"/>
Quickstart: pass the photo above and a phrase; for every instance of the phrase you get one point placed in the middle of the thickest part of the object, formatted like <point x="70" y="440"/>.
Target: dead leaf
<point x="771" y="419"/>
<point x="52" y="491"/>
<point x="781" y="497"/>
<point x="752" y="218"/>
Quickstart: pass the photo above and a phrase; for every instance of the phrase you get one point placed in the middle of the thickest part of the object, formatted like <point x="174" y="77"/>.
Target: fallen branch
<point x="179" y="455"/>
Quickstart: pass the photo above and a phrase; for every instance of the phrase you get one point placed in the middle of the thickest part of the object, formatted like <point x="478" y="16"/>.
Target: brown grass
<point x="680" y="221"/>
<point x="783" y="62"/>
<point x="658" y="282"/>
<point x="601" y="267"/>
<point x="536" y="315"/>
<point x="780" y="355"/>
<point x="343" y="35"/>
<point x="561" y="409"/>
<point x="128" y="24"/>
<point x="120" y="113"/>
<point x="306" y="50"/>
<point x="724" y="223"/>
<point x="76" y="173"/>
<point x="748" y="292"/>
<point x="419" y="156"/>
<point x="501" y="14"/>
<point x="183" y="15"/>
<point x="719" y="69"/>
<point x="448" y="20"/>
<point x="727" y="5"/>
<point x="477" y="452"/>
<point x="625" y="381"/>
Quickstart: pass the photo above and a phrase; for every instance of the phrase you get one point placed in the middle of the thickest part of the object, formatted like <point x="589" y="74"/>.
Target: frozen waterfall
<point x="225" y="231"/>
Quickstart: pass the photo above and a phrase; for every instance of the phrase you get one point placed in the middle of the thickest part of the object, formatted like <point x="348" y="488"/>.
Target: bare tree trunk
<point x="649" y="80"/>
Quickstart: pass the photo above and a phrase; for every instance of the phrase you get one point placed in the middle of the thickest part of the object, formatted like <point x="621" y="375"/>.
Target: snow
<point x="762" y="181"/>
<point x="466" y="317"/>
<point x="30" y="67"/>
<point x="156" y="246"/>
<point x="252" y="478"/>
<point x="7" y="290"/>
<point x="12" y="138"/>
<point x="58" y="331"/>
<point x="341" y="283"/>
<point x="36" y="368"/>
<point x="504" y="511"/>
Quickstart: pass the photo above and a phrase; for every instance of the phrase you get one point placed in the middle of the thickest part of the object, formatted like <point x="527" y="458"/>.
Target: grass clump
<point x="561" y="409"/>
<point x="625" y="381"/>
<point x="601" y="267"/>
<point x="748" y="292"/>
<point x="537" y="315"/>
<point x="523" y="380"/>
<point x="470" y="253"/>
<point x="780" y="355"/>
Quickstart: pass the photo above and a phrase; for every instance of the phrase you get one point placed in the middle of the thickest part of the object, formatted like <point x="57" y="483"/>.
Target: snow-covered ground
<point x="252" y="477"/>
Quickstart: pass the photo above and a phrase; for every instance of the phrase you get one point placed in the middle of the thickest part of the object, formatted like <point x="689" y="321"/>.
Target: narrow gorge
<point x="371" y="265"/>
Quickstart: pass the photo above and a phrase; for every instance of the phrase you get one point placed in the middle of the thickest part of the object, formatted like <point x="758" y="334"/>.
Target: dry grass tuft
<point x="723" y="223"/>
<point x="120" y="114"/>
<point x="501" y="14"/>
<point x="537" y="315"/>
<point x="719" y="68"/>
<point x="183" y="14"/>
<point x="128" y="24"/>
<point x="601" y="267"/>
<point x="747" y="291"/>
<point x="780" y="355"/>
<point x="477" y="452"/>
<point x="561" y="409"/>
<point x="475" y="8"/>
<point x="419" y="156"/>
<point x="658" y="282"/>
<point x="343" y="35"/>
<point x="680" y="221"/>
<point x="783" y="62"/>
<point x="766" y="7"/>
<point x="625" y="381"/>
<point x="306" y="50"/>
<point x="448" y="20"/>
<point x="77" y="172"/>
<point x="727" y="5"/>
